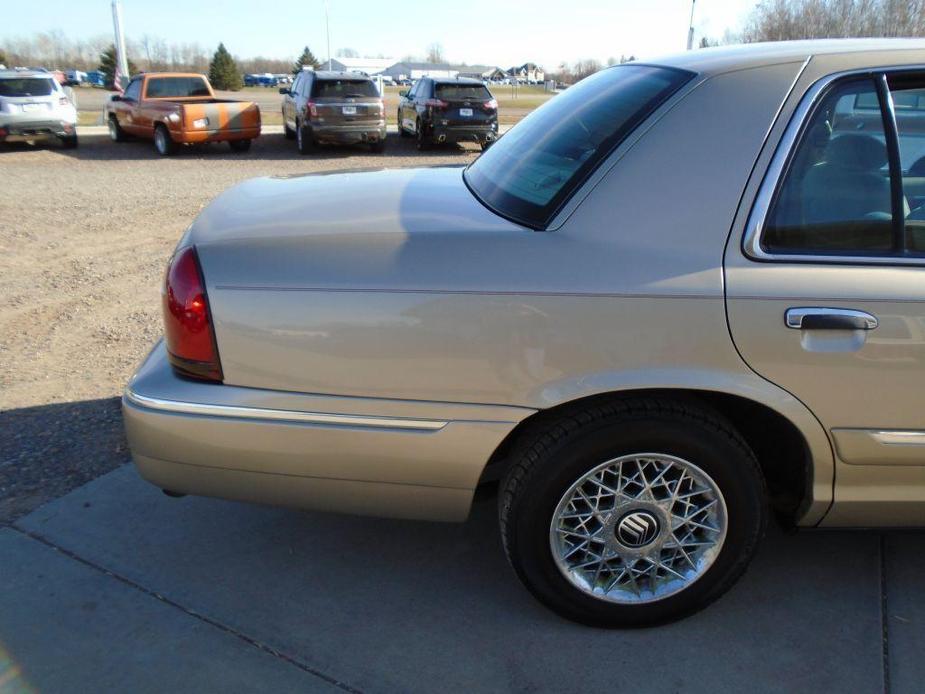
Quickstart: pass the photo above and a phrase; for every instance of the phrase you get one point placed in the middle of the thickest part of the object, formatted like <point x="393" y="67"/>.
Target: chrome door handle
<point x="818" y="318"/>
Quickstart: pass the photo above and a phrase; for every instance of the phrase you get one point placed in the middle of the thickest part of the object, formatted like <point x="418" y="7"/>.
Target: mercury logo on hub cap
<point x="637" y="529"/>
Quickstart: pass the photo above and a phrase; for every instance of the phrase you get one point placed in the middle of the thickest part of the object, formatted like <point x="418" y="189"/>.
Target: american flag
<point x="117" y="76"/>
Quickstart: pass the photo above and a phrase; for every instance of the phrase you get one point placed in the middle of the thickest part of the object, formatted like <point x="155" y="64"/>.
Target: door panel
<point x="860" y="368"/>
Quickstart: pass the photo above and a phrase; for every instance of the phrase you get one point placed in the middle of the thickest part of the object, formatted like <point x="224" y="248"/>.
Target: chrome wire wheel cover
<point x="638" y="528"/>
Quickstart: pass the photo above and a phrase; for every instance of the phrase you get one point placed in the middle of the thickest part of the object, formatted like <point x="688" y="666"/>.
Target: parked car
<point x="324" y="107"/>
<point x="439" y="110"/>
<point x="175" y="108"/>
<point x="33" y="105"/>
<point x="673" y="298"/>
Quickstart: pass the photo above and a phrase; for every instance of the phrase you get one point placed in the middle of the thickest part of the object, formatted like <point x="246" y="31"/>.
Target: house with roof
<point x="529" y="72"/>
<point x="412" y="70"/>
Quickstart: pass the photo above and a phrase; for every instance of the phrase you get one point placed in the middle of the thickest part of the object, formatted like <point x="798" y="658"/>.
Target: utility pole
<point x="690" y="29"/>
<point x="327" y="28"/>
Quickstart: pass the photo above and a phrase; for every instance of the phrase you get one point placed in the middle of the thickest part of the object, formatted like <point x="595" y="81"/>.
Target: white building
<point x="368" y="66"/>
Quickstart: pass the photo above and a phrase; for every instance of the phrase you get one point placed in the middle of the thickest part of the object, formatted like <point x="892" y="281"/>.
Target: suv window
<point x="176" y="87"/>
<point x="836" y="195"/>
<point x="343" y="88"/>
<point x="26" y="86"/>
<point x="530" y="172"/>
<point x="458" y="92"/>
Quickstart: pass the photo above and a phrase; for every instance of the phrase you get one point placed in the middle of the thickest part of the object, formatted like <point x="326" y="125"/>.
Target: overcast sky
<point x="474" y="31"/>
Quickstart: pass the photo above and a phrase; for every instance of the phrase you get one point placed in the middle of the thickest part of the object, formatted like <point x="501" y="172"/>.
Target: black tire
<point x="69" y="142"/>
<point x="305" y="140"/>
<point x="377" y="147"/>
<point x="288" y="132"/>
<point x="560" y="451"/>
<point x="163" y="144"/>
<point x="116" y="133"/>
<point x="424" y="140"/>
<point x="401" y="130"/>
<point x="239" y="145"/>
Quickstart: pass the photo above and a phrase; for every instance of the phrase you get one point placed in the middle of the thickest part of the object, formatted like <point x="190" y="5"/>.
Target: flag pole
<point x="120" y="73"/>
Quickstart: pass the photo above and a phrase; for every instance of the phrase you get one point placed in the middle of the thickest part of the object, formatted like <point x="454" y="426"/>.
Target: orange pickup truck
<point x="175" y="108"/>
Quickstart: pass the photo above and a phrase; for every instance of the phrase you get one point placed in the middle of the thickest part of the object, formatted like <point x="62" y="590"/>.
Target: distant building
<point x="480" y="72"/>
<point x="413" y="71"/>
<point x="529" y="72"/>
<point x="368" y="66"/>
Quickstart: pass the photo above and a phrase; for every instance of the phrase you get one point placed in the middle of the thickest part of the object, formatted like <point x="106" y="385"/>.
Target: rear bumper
<point x="13" y="131"/>
<point x="370" y="457"/>
<point x="465" y="133"/>
<point x="349" y="134"/>
<point x="189" y="137"/>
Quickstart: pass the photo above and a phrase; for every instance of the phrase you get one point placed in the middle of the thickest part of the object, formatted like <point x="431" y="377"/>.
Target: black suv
<point x="438" y="110"/>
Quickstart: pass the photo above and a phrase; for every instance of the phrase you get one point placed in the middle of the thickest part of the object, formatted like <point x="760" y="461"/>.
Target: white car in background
<point x="33" y="105"/>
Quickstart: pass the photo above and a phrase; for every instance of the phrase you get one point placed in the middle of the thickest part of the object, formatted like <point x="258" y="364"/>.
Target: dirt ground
<point x="85" y="235"/>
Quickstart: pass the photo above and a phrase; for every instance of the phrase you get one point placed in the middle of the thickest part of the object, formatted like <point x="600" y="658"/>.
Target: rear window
<point x="27" y="86"/>
<point x="530" y="172"/>
<point x="176" y="87"/>
<point x="453" y="92"/>
<point x="343" y="88"/>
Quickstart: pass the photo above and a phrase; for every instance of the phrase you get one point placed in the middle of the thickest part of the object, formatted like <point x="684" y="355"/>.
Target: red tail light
<point x="436" y="103"/>
<point x="311" y="108"/>
<point x="187" y="319"/>
<point x="490" y="105"/>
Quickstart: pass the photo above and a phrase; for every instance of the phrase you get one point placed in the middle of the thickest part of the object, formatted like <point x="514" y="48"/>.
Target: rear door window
<point x="26" y="86"/>
<point x="462" y="92"/>
<point x="344" y="88"/>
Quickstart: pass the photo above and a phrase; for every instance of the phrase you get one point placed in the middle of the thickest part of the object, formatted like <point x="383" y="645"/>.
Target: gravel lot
<point x="84" y="238"/>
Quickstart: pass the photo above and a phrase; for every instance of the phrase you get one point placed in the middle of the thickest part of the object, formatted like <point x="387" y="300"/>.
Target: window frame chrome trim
<point x="777" y="169"/>
<point x="265" y="414"/>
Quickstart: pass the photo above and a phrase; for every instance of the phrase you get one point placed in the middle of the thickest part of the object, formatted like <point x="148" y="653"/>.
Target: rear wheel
<point x="632" y="513"/>
<point x="423" y="140"/>
<point x="288" y="132"/>
<point x="304" y="140"/>
<point x="116" y="133"/>
<point x="239" y="145"/>
<point x="164" y="145"/>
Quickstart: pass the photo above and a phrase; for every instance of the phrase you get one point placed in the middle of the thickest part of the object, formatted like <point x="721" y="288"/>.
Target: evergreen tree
<point x="307" y="59"/>
<point x="108" y="66"/>
<point x="223" y="71"/>
<point x="2" y="57"/>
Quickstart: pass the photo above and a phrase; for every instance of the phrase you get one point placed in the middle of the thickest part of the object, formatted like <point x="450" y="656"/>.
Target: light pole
<point x="327" y="28"/>
<point x="690" y="28"/>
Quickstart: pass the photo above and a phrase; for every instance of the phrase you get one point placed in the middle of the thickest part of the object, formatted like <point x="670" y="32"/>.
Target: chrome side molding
<point x="346" y="420"/>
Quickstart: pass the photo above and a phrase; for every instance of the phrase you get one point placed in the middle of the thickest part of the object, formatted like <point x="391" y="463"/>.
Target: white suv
<point x="34" y="105"/>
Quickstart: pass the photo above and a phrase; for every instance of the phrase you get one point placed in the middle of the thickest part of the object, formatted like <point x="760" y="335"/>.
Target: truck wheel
<point x="239" y="145"/>
<point x="304" y="139"/>
<point x="377" y="147"/>
<point x="164" y="145"/>
<point x="423" y="141"/>
<point x="69" y="142"/>
<point x="288" y="132"/>
<point x="116" y="133"/>
<point x="633" y="512"/>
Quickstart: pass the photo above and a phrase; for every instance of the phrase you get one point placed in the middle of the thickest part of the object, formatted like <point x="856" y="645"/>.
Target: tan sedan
<point x="677" y="297"/>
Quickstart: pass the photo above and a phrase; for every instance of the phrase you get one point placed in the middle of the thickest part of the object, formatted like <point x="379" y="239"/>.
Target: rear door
<point x="466" y="104"/>
<point x="346" y="101"/>
<point x="826" y="291"/>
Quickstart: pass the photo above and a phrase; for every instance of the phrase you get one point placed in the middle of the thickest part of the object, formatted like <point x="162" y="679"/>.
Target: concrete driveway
<point x="116" y="587"/>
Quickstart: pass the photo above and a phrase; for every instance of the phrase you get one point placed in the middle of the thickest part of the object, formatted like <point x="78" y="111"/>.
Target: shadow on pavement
<point x="48" y="450"/>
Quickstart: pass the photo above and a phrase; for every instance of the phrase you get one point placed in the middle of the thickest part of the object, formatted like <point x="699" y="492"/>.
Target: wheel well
<point x="777" y="443"/>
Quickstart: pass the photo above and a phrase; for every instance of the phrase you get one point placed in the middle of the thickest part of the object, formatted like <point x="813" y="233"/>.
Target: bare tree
<point x="780" y="20"/>
<point x="434" y="53"/>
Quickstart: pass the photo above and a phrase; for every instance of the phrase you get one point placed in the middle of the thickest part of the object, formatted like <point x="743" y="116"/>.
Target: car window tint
<point x="909" y="106"/>
<point x="835" y="197"/>
<point x="454" y="92"/>
<point x="531" y="171"/>
<point x="176" y="87"/>
<point x="343" y="88"/>
<point x="37" y="86"/>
